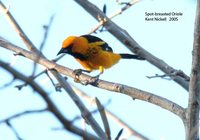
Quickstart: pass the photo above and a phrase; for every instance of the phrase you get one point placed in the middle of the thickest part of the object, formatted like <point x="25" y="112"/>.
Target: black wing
<point x="104" y="46"/>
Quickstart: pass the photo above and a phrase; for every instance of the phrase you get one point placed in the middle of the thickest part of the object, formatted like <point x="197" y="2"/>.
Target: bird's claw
<point x="77" y="73"/>
<point x="92" y="80"/>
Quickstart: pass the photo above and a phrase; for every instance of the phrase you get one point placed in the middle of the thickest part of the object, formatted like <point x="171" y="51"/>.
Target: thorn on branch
<point x="19" y="53"/>
<point x="19" y="87"/>
<point x="104" y="9"/>
<point x="119" y="134"/>
<point x="58" y="87"/>
<point x="45" y="27"/>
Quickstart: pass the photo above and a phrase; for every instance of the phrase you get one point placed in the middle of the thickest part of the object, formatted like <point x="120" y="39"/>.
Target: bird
<point x="93" y="53"/>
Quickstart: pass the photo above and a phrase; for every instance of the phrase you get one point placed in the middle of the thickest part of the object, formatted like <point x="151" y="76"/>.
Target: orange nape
<point x="92" y="52"/>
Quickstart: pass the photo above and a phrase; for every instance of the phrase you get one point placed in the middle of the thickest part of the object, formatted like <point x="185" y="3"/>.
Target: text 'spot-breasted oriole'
<point x="92" y="52"/>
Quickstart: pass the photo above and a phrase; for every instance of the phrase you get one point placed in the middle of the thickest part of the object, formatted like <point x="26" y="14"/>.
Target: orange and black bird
<point x="92" y="52"/>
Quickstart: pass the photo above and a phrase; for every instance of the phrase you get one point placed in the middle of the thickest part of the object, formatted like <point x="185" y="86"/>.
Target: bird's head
<point x="67" y="45"/>
<point x="74" y="44"/>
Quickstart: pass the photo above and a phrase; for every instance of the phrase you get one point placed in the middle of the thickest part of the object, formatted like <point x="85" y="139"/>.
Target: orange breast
<point x="104" y="59"/>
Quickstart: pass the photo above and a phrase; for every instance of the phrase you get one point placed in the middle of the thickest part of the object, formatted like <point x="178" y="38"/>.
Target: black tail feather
<point x="131" y="56"/>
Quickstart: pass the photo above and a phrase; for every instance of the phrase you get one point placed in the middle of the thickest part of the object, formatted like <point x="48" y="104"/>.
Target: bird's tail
<point x="131" y="56"/>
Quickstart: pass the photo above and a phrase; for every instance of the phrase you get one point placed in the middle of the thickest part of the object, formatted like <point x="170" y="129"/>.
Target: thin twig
<point x="32" y="78"/>
<point x="46" y="33"/>
<point x="14" y="130"/>
<point x="51" y="80"/>
<point x="7" y="84"/>
<point x="171" y="75"/>
<point x="127" y="6"/>
<point x="40" y="73"/>
<point x="118" y="12"/>
<point x="164" y="76"/>
<point x="22" y="114"/>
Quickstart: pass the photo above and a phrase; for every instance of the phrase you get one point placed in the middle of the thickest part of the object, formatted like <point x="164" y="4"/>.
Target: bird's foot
<point x="93" y="80"/>
<point x="77" y="73"/>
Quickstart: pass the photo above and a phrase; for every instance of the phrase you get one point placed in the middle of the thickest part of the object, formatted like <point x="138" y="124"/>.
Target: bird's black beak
<point x="62" y="51"/>
<point x="67" y="49"/>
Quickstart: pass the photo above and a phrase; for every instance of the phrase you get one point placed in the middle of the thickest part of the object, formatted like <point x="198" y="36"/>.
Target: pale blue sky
<point x="170" y="41"/>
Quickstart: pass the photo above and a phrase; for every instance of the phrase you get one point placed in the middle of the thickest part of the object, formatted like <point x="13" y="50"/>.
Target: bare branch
<point x="40" y="56"/>
<point x="112" y="116"/>
<point x="51" y="106"/>
<point x="130" y="43"/>
<point x="18" y="29"/>
<point x="104" y="118"/>
<point x="84" y="111"/>
<point x="192" y="124"/>
<point x="75" y="98"/>
<point x="180" y="77"/>
<point x="130" y="91"/>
